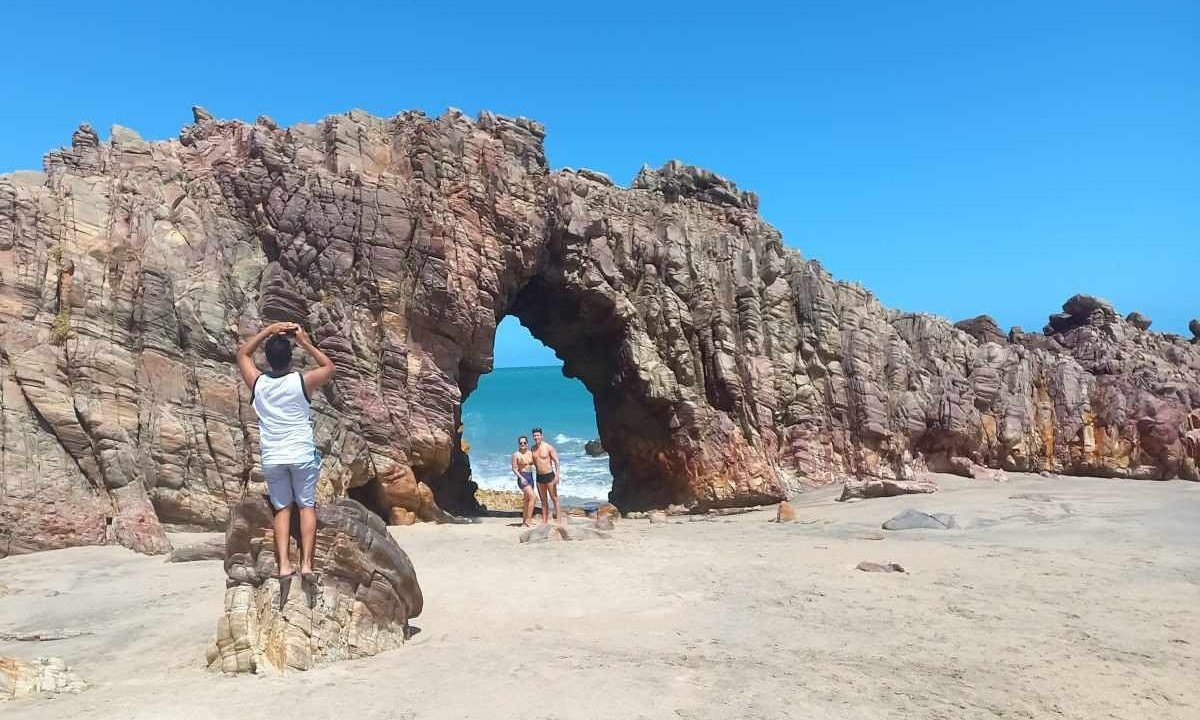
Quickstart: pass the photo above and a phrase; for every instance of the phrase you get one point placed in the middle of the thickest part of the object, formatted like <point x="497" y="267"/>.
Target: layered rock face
<point x="362" y="605"/>
<point x="725" y="368"/>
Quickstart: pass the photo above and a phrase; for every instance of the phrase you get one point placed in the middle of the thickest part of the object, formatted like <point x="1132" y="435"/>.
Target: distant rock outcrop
<point x="725" y="368"/>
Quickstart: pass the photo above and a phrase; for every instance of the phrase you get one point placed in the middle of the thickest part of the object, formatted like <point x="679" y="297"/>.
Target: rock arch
<point x="726" y="369"/>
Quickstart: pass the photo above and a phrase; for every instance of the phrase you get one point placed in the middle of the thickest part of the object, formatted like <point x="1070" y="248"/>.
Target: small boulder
<point x="914" y="520"/>
<point x="604" y="522"/>
<point x="983" y="328"/>
<point x="594" y="449"/>
<point x="608" y="510"/>
<point x="785" y="512"/>
<point x="1194" y="326"/>
<point x="1138" y="320"/>
<point x="867" y="566"/>
<point x="658" y="517"/>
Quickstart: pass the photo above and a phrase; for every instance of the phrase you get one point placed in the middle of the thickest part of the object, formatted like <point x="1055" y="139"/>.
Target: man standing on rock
<point x="290" y="461"/>
<point x="545" y="461"/>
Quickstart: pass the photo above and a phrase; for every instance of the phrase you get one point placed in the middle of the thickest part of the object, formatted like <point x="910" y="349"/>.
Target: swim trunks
<point x="526" y="479"/>
<point x="545" y="478"/>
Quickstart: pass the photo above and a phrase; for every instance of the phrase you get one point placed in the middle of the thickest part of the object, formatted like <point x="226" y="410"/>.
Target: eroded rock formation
<point x="366" y="596"/>
<point x="725" y="368"/>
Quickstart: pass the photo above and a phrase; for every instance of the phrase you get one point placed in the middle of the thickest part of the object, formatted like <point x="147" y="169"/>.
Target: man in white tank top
<point x="290" y="461"/>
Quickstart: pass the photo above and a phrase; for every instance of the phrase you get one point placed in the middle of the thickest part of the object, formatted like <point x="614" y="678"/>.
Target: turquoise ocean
<point x="510" y="402"/>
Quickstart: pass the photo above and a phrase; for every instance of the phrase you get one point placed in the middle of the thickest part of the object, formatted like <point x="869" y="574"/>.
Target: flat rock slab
<point x="19" y="678"/>
<point x="866" y="488"/>
<point x="890" y="567"/>
<point x="915" y="520"/>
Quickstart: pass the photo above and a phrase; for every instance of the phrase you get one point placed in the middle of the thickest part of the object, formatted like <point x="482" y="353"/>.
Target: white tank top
<point x="284" y="419"/>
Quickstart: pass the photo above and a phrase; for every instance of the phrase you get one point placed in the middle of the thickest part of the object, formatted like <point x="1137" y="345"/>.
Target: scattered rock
<point x="594" y="448"/>
<point x="210" y="549"/>
<point x="872" y="536"/>
<point x="637" y="515"/>
<point x="1138" y="320"/>
<point x="366" y="592"/>
<point x="676" y="510"/>
<point x="914" y="519"/>
<point x="658" y="517"/>
<point x="890" y="567"/>
<point x="866" y="488"/>
<point x="20" y="678"/>
<point x="785" y="512"/>
<point x="1047" y="474"/>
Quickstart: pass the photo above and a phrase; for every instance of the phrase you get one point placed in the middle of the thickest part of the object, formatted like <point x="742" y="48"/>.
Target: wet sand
<point x="1062" y="597"/>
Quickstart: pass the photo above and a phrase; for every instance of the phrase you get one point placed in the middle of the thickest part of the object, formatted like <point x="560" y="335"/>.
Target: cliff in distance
<point x="725" y="368"/>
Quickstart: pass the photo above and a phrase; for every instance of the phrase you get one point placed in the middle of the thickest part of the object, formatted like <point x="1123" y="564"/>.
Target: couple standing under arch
<point x="537" y="466"/>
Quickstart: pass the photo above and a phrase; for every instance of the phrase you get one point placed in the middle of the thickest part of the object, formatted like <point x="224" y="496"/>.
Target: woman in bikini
<point x="522" y="466"/>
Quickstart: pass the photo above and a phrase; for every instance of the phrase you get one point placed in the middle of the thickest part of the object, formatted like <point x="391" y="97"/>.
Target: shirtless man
<point x="522" y="467"/>
<point x="545" y="461"/>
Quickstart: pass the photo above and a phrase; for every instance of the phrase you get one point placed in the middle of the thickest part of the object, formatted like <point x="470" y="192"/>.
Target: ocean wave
<point x="563" y="439"/>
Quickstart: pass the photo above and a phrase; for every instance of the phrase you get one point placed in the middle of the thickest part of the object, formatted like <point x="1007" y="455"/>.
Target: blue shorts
<point x="527" y="480"/>
<point x="293" y="483"/>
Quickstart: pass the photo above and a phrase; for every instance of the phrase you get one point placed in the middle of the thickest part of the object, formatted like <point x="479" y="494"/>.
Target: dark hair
<point x="278" y="350"/>
<point x="522" y="437"/>
<point x="536" y="430"/>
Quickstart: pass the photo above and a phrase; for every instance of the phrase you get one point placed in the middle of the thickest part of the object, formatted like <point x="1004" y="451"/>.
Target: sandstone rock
<point x="211" y="549"/>
<point x="366" y="595"/>
<point x="1194" y="326"/>
<point x="605" y="522"/>
<point x="913" y="519"/>
<point x="20" y="678"/>
<point x="676" y="510"/>
<point x="785" y="512"/>
<point x="1138" y="320"/>
<point x="890" y="567"/>
<point x="658" y="517"/>
<point x="726" y="369"/>
<point x="594" y="448"/>
<point x="863" y="488"/>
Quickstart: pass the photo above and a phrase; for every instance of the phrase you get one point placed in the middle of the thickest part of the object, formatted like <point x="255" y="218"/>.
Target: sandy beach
<point x="1060" y="597"/>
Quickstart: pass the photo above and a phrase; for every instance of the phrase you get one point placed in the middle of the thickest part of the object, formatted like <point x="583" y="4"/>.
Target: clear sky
<point x="954" y="157"/>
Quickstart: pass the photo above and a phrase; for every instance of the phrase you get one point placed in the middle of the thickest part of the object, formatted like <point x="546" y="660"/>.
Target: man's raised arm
<point x="315" y="379"/>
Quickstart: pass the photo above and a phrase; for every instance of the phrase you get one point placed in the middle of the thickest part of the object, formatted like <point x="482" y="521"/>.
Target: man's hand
<point x="302" y="336"/>
<point x="282" y="328"/>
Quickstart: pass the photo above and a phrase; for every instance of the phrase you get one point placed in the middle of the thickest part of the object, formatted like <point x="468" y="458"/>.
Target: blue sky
<point x="953" y="157"/>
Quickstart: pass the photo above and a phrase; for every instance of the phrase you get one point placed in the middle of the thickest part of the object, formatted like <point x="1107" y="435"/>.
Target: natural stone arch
<point x="726" y="369"/>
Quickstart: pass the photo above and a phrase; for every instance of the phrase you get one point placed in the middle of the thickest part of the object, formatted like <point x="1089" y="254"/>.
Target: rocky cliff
<point x="725" y="368"/>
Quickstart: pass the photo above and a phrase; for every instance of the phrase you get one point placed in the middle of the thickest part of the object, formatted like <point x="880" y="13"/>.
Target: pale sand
<point x="1083" y="606"/>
